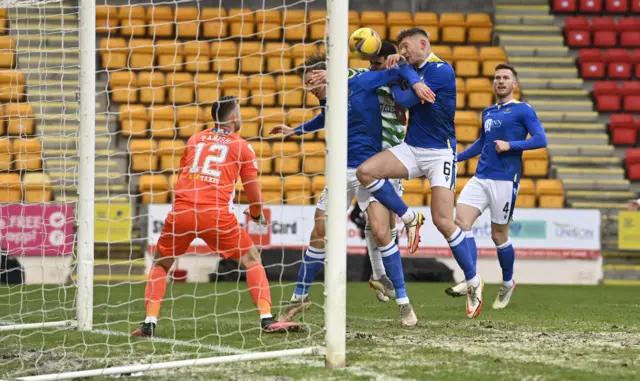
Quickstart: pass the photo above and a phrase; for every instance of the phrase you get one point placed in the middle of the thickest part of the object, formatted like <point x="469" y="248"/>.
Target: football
<point x="365" y="43"/>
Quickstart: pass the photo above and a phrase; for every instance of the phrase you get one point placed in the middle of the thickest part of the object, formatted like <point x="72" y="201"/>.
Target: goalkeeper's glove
<point x="260" y="220"/>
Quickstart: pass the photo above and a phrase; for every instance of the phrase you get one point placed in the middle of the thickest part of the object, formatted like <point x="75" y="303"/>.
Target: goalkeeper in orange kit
<point x="209" y="168"/>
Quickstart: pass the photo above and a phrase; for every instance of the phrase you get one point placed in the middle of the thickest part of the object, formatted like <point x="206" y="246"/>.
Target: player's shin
<point x="312" y="263"/>
<point x="377" y="266"/>
<point x="393" y="266"/>
<point x="461" y="253"/>
<point x="259" y="289"/>
<point x="154" y="293"/>
<point x="506" y="257"/>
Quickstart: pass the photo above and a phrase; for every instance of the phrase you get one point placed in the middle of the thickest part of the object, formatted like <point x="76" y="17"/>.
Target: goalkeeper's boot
<point x="384" y="288"/>
<point x="474" y="299"/>
<point x="459" y="289"/>
<point x="408" y="318"/>
<point x="270" y="326"/>
<point x="145" y="330"/>
<point x="504" y="296"/>
<point x="413" y="232"/>
<point x="290" y="309"/>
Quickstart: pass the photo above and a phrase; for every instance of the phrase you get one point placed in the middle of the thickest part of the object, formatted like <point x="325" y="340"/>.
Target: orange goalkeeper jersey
<point x="209" y="168"/>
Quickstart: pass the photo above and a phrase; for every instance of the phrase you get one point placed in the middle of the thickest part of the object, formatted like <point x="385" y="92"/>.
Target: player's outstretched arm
<point x="538" y="137"/>
<point x="474" y="149"/>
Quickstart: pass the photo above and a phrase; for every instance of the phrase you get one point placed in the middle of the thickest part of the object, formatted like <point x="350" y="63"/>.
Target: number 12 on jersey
<point x="217" y="155"/>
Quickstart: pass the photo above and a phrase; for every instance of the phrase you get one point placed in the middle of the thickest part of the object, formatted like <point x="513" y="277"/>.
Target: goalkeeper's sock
<point x="461" y="253"/>
<point x="393" y="265"/>
<point x="312" y="263"/>
<point x="473" y="248"/>
<point x="506" y="257"/>
<point x="259" y="289"/>
<point x="384" y="192"/>
<point x="377" y="266"/>
<point x="154" y="293"/>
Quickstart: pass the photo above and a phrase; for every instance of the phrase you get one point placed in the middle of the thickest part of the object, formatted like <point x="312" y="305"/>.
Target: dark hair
<point x="223" y="107"/>
<point x="387" y="49"/>
<point x="416" y="30"/>
<point x="507" y="67"/>
<point x="317" y="61"/>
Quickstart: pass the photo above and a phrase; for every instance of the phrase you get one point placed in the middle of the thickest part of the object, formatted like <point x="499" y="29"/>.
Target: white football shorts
<point x="353" y="186"/>
<point x="437" y="165"/>
<point x="497" y="195"/>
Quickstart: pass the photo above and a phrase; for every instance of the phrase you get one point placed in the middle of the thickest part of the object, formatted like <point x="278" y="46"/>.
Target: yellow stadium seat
<point x="162" y="121"/>
<point x="443" y="51"/>
<point x="251" y="57"/>
<point x="489" y="67"/>
<point x="268" y="24"/>
<point x="250" y="130"/>
<point x="28" y="153"/>
<point x="142" y="53"/>
<point x="133" y="120"/>
<point x="132" y="21"/>
<point x="314" y="157"/>
<point x="295" y="26"/>
<point x="451" y="19"/>
<point x="214" y="24"/>
<point x="272" y="115"/>
<point x="297" y="190"/>
<point x="242" y="22"/>
<point x="114" y="53"/>
<point x="468" y="118"/>
<point x="381" y="29"/>
<point x="190" y="121"/>
<point x="321" y="135"/>
<point x="160" y="21"/>
<point x="526" y="194"/>
<point x="272" y="191"/>
<point x="277" y="56"/>
<point x="36" y="187"/>
<point x="173" y="180"/>
<point x="263" y="90"/>
<point x="152" y="87"/>
<point x="170" y="152"/>
<point x="354" y="17"/>
<point x="317" y="186"/>
<point x="236" y="85"/>
<point x="154" y="189"/>
<point x="465" y="53"/>
<point x="550" y="193"/>
<point x="297" y="116"/>
<point x="10" y="187"/>
<point x="465" y="68"/>
<point x="398" y="18"/>
<point x="480" y="35"/>
<point x="480" y="27"/>
<point x="535" y="163"/>
<point x="317" y="19"/>
<point x="124" y="87"/>
<point x="224" y="56"/>
<point x="287" y="158"/>
<point x="492" y="53"/>
<point x="373" y="18"/>
<point x="187" y="22"/>
<point x="143" y="158"/>
<point x="207" y="88"/>
<point x="478" y="20"/>
<point x="472" y="165"/>
<point x="479" y="101"/>
<point x="197" y="56"/>
<point x="461" y="167"/>
<point x="20" y="119"/>
<point x="356" y="63"/>
<point x="264" y="156"/>
<point x="106" y="19"/>
<point x="425" y="18"/>
<point x="453" y="35"/>
<point x="461" y="100"/>
<point x="7" y="49"/>
<point x="433" y="31"/>
<point x="394" y="30"/>
<point x="414" y="192"/>
<point x="6" y="156"/>
<point x="466" y="133"/>
<point x="249" y="114"/>
<point x="11" y="86"/>
<point x="170" y="55"/>
<point x="181" y="87"/>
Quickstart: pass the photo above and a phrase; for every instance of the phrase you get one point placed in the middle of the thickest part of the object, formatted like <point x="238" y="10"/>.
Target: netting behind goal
<point x="158" y="68"/>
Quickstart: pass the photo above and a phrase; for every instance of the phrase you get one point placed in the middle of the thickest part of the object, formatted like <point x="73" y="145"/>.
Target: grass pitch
<point x="547" y="333"/>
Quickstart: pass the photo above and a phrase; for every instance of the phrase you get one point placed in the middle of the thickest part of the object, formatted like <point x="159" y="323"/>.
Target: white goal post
<point x="81" y="315"/>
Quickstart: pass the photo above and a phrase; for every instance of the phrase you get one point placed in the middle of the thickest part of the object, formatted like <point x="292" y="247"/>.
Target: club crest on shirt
<point x="507" y="110"/>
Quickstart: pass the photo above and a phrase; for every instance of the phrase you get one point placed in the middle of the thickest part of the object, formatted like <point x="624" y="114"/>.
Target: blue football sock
<point x="312" y="263"/>
<point x="461" y="252"/>
<point x="473" y="249"/>
<point x="506" y="257"/>
<point x="384" y="192"/>
<point x="393" y="266"/>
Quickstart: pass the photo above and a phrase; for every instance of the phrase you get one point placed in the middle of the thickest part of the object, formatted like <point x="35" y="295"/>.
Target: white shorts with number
<point x="364" y="197"/>
<point x="437" y="165"/>
<point x="353" y="187"/>
<point x="497" y="195"/>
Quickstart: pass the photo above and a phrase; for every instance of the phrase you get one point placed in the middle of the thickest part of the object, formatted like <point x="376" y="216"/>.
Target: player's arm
<point x="315" y="124"/>
<point x="434" y="81"/>
<point x="474" y="149"/>
<point x="538" y="138"/>
<point x="374" y="79"/>
<point x="251" y="185"/>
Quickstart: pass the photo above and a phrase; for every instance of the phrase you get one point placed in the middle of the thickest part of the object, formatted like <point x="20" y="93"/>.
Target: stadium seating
<point x="36" y="187"/>
<point x="10" y="187"/>
<point x="632" y="162"/>
<point x="550" y="193"/>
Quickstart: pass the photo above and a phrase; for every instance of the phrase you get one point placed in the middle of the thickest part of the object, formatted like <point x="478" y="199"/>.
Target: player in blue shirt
<point x="364" y="140"/>
<point x="495" y="185"/>
<point x="429" y="151"/>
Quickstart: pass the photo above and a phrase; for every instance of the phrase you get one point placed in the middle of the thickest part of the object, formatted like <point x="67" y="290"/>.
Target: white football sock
<point x="376" y="257"/>
<point x="297" y="298"/>
<point x="151" y="319"/>
<point x="508" y="283"/>
<point x="408" y="216"/>
<point x="474" y="282"/>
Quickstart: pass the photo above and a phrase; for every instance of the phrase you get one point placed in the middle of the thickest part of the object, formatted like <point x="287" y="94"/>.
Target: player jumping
<point x="428" y="150"/>
<point x="495" y="185"/>
<point x="364" y="140"/>
<point x="209" y="168"/>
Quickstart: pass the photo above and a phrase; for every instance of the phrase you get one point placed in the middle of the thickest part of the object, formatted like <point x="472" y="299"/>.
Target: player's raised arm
<point x="538" y="137"/>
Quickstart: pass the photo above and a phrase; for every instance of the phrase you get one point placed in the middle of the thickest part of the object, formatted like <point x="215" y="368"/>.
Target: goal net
<point x="98" y="102"/>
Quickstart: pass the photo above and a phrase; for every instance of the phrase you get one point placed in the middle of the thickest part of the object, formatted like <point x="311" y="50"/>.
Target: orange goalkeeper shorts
<point x="217" y="228"/>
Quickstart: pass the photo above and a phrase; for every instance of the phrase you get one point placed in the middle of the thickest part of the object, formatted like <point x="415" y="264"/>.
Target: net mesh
<point x="158" y="69"/>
